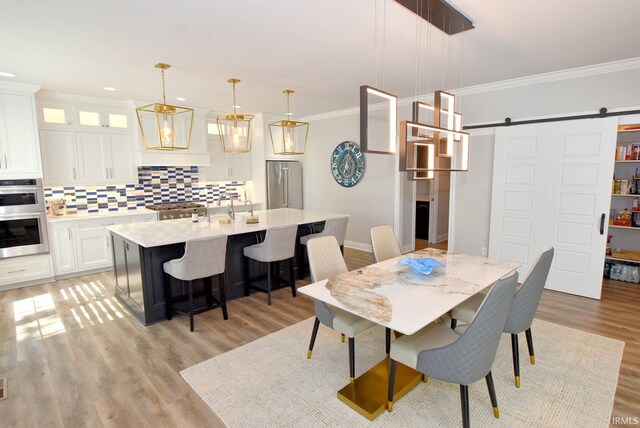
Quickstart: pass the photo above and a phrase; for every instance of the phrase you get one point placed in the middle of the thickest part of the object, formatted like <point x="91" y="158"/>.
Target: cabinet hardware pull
<point x="6" y="164"/>
<point x="69" y="234"/>
<point x="602" y="217"/>
<point x="74" y="173"/>
<point x="106" y="172"/>
<point x="16" y="271"/>
<point x="111" y="170"/>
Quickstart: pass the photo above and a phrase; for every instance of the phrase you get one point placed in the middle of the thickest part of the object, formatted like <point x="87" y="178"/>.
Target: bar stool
<point x="203" y="258"/>
<point x="279" y="244"/>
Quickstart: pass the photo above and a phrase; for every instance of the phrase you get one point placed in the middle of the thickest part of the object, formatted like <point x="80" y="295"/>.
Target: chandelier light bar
<point x="427" y="133"/>
<point x="164" y="126"/>
<point x="371" y="124"/>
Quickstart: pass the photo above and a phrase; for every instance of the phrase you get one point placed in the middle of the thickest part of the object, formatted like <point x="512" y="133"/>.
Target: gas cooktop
<point x="178" y="210"/>
<point x="176" y="206"/>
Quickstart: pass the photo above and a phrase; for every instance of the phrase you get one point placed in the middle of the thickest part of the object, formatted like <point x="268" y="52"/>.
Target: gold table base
<point x="367" y="394"/>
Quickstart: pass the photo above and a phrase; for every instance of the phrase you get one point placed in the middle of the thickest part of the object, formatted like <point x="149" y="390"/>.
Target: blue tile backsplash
<point x="156" y="185"/>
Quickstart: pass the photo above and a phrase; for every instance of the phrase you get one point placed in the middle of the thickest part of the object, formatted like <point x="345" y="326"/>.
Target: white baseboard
<point x="26" y="284"/>
<point x="442" y="237"/>
<point x="358" y="246"/>
<point x="407" y="249"/>
<point x="84" y="272"/>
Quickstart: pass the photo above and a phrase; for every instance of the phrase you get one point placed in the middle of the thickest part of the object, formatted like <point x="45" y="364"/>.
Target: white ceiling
<point x="323" y="49"/>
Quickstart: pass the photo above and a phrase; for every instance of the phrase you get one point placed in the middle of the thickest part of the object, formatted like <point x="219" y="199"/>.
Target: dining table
<point x="404" y="299"/>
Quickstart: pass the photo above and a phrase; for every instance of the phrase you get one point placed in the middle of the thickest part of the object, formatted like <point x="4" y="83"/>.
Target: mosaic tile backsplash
<point x="156" y="185"/>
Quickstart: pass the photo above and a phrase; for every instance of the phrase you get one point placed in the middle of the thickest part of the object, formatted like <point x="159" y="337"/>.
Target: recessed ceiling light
<point x="6" y="74"/>
<point x="109" y="88"/>
<point x="181" y="99"/>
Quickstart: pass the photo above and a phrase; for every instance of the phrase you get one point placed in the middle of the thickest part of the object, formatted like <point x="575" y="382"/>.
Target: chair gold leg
<point x="496" y="412"/>
<point x="425" y="378"/>
<point x="517" y="381"/>
<point x="533" y="359"/>
<point x="308" y="354"/>
<point x="389" y="406"/>
<point x="342" y="338"/>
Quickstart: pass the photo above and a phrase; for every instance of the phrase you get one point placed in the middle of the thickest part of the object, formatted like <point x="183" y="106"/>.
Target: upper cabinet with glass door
<point x="83" y="117"/>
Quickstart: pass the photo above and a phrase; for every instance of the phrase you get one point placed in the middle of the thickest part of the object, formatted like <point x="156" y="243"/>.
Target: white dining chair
<point x="384" y="243"/>
<point x="326" y="261"/>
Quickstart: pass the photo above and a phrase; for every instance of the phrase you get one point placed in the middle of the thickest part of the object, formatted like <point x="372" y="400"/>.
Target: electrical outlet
<point x="484" y="251"/>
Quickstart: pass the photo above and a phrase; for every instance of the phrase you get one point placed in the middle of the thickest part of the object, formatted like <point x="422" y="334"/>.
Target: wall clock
<point x="347" y="164"/>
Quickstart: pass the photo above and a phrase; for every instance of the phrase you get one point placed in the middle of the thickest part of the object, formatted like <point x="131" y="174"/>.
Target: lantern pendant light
<point x="289" y="137"/>
<point x="235" y="129"/>
<point x="164" y="126"/>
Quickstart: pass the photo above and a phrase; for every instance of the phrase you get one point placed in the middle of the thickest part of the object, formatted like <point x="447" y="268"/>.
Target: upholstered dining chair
<point x="439" y="352"/>
<point x="383" y="243"/>
<point x="523" y="309"/>
<point x="279" y="245"/>
<point x="326" y="261"/>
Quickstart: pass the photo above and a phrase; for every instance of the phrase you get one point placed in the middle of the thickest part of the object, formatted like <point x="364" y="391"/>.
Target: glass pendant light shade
<point x="164" y="126"/>
<point x="235" y="129"/>
<point x="288" y="137"/>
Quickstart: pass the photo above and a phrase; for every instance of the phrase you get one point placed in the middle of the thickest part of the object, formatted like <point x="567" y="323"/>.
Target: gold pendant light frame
<point x="297" y="132"/>
<point x="162" y="135"/>
<point x="235" y="129"/>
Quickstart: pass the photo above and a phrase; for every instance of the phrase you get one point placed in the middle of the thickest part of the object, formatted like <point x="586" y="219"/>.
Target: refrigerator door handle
<point x="286" y="187"/>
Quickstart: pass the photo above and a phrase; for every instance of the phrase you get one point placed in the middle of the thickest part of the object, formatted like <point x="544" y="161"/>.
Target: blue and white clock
<point x="347" y="164"/>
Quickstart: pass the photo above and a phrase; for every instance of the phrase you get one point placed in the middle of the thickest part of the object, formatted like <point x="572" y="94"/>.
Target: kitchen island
<point x="139" y="251"/>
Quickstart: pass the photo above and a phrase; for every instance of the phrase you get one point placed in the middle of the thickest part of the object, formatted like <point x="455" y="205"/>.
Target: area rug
<point x="271" y="383"/>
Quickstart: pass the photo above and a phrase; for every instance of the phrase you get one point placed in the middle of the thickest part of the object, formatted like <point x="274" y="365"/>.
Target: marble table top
<point x="398" y="298"/>
<point x="166" y="232"/>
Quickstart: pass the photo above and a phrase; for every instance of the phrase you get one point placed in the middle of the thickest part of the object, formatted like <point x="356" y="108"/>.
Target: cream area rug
<point x="271" y="383"/>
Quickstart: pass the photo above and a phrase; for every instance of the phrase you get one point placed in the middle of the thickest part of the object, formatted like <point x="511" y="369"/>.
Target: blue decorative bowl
<point x="421" y="266"/>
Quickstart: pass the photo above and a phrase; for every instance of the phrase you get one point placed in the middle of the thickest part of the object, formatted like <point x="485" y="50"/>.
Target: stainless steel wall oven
<point x="23" y="218"/>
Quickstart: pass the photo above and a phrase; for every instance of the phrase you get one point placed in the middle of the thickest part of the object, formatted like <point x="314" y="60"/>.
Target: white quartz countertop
<point x="168" y="232"/>
<point x="86" y="216"/>
<point x="402" y="300"/>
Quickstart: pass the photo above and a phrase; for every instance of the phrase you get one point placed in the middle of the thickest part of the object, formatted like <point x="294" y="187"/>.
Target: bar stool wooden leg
<point x="223" y="294"/>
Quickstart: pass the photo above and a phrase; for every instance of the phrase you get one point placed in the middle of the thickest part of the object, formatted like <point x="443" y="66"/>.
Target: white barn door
<point x="551" y="187"/>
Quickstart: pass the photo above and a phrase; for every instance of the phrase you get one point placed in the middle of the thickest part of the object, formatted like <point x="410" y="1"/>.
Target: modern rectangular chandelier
<point x="378" y="121"/>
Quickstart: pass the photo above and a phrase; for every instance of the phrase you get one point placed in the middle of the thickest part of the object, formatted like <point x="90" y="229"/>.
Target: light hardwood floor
<point x="74" y="357"/>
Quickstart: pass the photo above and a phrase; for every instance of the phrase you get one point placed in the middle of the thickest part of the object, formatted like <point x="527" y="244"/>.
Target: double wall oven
<point x="23" y="218"/>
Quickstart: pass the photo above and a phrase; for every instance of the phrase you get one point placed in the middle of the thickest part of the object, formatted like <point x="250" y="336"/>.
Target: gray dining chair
<point x="441" y="353"/>
<point x="203" y="258"/>
<point x="326" y="261"/>
<point x="279" y="245"/>
<point x="523" y="309"/>
<point x="383" y="243"/>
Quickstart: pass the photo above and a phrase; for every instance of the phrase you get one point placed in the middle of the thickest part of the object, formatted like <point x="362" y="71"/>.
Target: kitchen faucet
<point x="230" y="210"/>
<point x="250" y="206"/>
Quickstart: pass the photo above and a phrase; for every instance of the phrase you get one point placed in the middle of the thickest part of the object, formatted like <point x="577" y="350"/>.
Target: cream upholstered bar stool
<point x="336" y="227"/>
<point x="523" y="309"/>
<point x="203" y="258"/>
<point x="279" y="245"/>
<point x="326" y="261"/>
<point x="437" y="351"/>
<point x="384" y="243"/>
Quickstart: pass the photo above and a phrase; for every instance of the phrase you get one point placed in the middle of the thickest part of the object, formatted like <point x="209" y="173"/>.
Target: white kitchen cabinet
<point x="92" y="118"/>
<point x="27" y="269"/>
<point x="83" y="245"/>
<point x="58" y="158"/>
<point x="93" y="248"/>
<point x="63" y="248"/>
<point x="55" y="116"/>
<point x="19" y="151"/>
<point x="87" y="158"/>
<point x="225" y="166"/>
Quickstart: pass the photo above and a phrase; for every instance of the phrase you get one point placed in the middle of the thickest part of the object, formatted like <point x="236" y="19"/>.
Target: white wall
<point x="370" y="202"/>
<point x="471" y="198"/>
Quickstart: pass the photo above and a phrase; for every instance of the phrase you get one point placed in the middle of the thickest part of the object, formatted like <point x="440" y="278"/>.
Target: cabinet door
<point x="93" y="168"/>
<point x="239" y="166"/>
<point x="93" y="248"/>
<point x="89" y="118"/>
<point x="58" y="158"/>
<point x="134" y="273"/>
<point x="117" y="120"/>
<point x="54" y="116"/>
<point x="63" y="248"/>
<point x="18" y="141"/>
<point x="120" y="162"/>
<point x="219" y="170"/>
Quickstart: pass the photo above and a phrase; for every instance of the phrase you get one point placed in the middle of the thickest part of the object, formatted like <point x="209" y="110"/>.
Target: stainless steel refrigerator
<point x="284" y="184"/>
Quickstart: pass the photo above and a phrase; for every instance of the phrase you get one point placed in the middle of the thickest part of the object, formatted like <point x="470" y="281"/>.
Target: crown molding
<point x="20" y="88"/>
<point x="537" y="79"/>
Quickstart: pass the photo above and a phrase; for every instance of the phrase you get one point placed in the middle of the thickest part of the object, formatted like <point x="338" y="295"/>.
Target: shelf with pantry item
<point x="628" y="161"/>
<point x="627" y="195"/>
<point x="623" y="227"/>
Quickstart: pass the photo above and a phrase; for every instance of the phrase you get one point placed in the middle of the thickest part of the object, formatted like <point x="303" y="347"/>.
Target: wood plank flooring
<point x="73" y="356"/>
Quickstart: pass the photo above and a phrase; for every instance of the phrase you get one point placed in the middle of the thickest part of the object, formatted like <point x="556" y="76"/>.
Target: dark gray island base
<point x="140" y="276"/>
